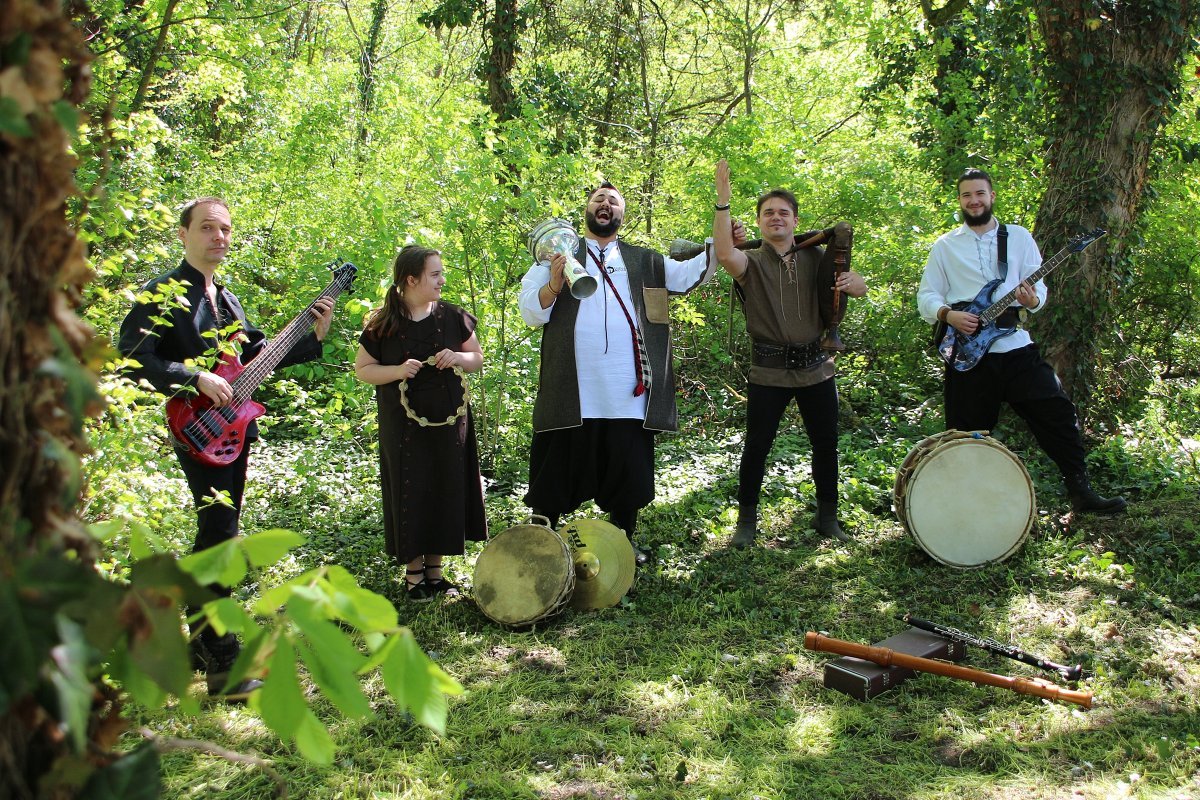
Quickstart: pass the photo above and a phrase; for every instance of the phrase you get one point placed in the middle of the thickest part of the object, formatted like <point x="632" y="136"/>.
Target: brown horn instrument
<point x="888" y="658"/>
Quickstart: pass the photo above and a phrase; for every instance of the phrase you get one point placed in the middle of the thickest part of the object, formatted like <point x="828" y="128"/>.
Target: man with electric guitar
<point x="971" y="280"/>
<point x="209" y="411"/>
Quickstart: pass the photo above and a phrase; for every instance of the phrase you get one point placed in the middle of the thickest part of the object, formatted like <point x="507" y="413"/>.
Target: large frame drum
<point x="965" y="499"/>
<point x="524" y="575"/>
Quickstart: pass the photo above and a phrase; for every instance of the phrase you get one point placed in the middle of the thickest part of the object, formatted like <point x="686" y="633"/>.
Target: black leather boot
<point x="826" y="521"/>
<point x="223" y="651"/>
<point x="1084" y="497"/>
<point x="626" y="520"/>
<point x="747" y="528"/>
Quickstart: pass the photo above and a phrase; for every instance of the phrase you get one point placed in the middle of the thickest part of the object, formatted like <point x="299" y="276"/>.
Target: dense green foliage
<point x="346" y="130"/>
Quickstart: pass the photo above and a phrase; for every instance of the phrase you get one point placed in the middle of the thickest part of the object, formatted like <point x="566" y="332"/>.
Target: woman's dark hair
<point x="410" y="263"/>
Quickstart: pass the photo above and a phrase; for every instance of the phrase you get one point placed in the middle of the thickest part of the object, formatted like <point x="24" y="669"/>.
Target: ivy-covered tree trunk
<point x="1117" y="75"/>
<point x="504" y="28"/>
<point x="44" y="390"/>
<point x="366" y="70"/>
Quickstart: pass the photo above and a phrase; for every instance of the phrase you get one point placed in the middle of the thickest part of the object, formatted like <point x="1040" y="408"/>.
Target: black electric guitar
<point x="963" y="351"/>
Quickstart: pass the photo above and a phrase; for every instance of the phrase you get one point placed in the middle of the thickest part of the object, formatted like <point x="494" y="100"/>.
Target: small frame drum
<point x="965" y="498"/>
<point x="524" y="575"/>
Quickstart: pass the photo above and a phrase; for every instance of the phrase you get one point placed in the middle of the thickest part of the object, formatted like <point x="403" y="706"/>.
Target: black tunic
<point x="432" y="491"/>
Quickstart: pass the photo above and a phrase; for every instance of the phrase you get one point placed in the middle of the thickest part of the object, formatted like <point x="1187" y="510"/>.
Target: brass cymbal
<point x="604" y="563"/>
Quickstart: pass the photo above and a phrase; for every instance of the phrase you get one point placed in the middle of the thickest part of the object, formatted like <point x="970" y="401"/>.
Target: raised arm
<point x="732" y="259"/>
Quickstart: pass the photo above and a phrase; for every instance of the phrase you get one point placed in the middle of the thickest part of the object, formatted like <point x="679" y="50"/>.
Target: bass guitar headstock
<point x="343" y="273"/>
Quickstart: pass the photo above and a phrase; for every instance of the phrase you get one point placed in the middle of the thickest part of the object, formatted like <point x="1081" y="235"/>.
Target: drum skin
<point x="965" y="499"/>
<point x="523" y="575"/>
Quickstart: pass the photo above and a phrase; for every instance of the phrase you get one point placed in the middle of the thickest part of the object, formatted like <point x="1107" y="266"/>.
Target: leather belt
<point x="787" y="356"/>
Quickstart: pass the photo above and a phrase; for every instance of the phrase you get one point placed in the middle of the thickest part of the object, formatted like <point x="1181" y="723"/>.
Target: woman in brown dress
<point x="432" y="491"/>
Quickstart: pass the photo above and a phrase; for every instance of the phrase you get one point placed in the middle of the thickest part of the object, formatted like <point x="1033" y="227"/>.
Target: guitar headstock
<point x="1085" y="240"/>
<point x="343" y="275"/>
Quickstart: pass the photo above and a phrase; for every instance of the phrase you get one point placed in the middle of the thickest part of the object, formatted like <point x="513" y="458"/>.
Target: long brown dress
<point x="432" y="491"/>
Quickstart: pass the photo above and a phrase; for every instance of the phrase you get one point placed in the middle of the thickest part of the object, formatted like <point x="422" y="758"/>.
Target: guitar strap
<point x="1002" y="251"/>
<point x="939" y="328"/>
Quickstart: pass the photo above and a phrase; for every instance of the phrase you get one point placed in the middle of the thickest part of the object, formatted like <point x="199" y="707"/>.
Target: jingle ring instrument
<point x="422" y="421"/>
<point x="965" y="498"/>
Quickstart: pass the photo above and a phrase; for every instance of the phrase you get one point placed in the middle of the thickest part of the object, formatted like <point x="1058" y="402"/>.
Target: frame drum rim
<point x="517" y="572"/>
<point x="968" y="477"/>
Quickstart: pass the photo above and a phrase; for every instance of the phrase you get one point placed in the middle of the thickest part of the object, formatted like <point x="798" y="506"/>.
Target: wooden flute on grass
<point x="888" y="658"/>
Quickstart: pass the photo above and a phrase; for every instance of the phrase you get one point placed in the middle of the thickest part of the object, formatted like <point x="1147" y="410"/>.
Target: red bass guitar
<point x="216" y="436"/>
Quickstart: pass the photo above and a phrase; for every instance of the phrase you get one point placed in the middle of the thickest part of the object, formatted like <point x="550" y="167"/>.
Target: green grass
<point x="698" y="685"/>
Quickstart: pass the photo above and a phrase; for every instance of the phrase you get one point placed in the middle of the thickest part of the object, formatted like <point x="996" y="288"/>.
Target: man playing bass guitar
<point x="960" y="263"/>
<point x="165" y="342"/>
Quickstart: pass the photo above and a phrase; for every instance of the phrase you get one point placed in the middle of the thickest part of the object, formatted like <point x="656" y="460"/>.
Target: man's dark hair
<point x="185" y="214"/>
<point x="603" y="185"/>
<point x="782" y="194"/>
<point x="973" y="174"/>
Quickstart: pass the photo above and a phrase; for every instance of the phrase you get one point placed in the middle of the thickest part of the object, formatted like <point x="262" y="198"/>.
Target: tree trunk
<point x="44" y="389"/>
<point x="1117" y="78"/>
<point x="139" y="98"/>
<point x="366" y="70"/>
<point x="503" y="31"/>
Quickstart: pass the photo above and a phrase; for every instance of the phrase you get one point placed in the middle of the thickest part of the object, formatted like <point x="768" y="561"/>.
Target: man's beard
<point x="606" y="229"/>
<point x="981" y="219"/>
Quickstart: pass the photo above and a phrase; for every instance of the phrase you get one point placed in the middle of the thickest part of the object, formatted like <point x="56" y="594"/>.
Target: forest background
<point x="342" y="130"/>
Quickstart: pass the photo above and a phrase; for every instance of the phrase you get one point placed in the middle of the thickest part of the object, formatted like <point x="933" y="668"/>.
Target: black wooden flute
<point x="1009" y="651"/>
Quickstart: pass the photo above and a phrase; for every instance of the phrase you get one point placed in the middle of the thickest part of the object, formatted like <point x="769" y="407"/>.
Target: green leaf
<point x="16" y="51"/>
<point x="157" y="646"/>
<point x="67" y="116"/>
<point x="70" y="681"/>
<point x="416" y="683"/>
<point x="227" y="615"/>
<point x="162" y="572"/>
<point x="281" y="702"/>
<point x="140" y="686"/>
<point x="267" y="547"/>
<point x="12" y="121"/>
<point x="274" y="599"/>
<point x="332" y="660"/>
<point x="223" y="563"/>
<point x="364" y="609"/>
<point x="105" y="530"/>
<point x="137" y="776"/>
<point x="313" y="740"/>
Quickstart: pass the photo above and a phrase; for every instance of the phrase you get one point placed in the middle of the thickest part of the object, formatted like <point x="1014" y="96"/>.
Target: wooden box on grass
<point x="865" y="679"/>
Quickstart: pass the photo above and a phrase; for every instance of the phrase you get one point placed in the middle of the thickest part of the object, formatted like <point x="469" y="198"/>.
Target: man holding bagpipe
<point x="790" y="293"/>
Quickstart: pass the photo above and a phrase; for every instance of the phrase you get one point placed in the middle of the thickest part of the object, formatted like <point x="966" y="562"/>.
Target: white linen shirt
<point x="961" y="262"/>
<point x="603" y="342"/>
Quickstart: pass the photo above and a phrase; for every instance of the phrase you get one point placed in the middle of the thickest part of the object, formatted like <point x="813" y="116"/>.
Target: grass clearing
<point x="698" y="687"/>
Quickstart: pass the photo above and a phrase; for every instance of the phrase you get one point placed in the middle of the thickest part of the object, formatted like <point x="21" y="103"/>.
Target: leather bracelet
<point x="719" y="207"/>
<point x="551" y="288"/>
<point x="941" y="317"/>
